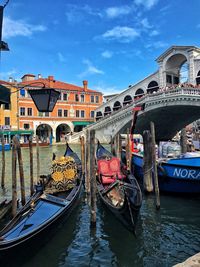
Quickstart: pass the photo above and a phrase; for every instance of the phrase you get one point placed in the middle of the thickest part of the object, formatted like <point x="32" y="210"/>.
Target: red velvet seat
<point x="109" y="170"/>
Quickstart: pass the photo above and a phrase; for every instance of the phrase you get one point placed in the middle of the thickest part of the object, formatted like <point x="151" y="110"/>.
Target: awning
<point x="82" y="123"/>
<point x="4" y="95"/>
<point x="20" y="132"/>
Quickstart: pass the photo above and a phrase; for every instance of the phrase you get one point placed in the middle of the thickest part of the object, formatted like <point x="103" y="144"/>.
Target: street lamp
<point x="43" y="98"/>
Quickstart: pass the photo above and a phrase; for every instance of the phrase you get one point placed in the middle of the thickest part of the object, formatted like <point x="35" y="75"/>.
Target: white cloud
<point x="154" y="33"/>
<point x="12" y="28"/>
<point x="107" y="54"/>
<point x="61" y="57"/>
<point x="77" y="13"/>
<point x="148" y="4"/>
<point x="107" y="90"/>
<point x="6" y="75"/>
<point x="156" y="45"/>
<point x="114" y="12"/>
<point x="90" y="69"/>
<point x="122" y="34"/>
<point x="145" y="23"/>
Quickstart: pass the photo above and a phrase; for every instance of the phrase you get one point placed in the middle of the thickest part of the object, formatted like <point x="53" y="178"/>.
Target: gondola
<point x="46" y="209"/>
<point x="117" y="188"/>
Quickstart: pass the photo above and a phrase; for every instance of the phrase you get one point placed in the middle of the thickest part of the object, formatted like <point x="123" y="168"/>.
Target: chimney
<point x="85" y="85"/>
<point x="10" y="79"/>
<point x="50" y="78"/>
<point x="39" y="76"/>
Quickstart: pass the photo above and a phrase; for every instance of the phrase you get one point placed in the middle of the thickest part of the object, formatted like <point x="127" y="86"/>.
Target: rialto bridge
<point x="171" y="97"/>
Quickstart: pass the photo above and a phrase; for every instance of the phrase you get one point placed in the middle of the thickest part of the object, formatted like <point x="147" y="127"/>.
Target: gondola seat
<point x="109" y="170"/>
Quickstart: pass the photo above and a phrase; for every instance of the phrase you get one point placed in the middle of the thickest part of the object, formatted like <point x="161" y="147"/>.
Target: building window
<point x="82" y="98"/>
<point x="92" y="113"/>
<point x="77" y="113"/>
<point x="26" y="126"/>
<point x="29" y="112"/>
<point x="97" y="98"/>
<point x="22" y="111"/>
<point x="76" y="97"/>
<point x="65" y="96"/>
<point x="7" y="106"/>
<point x="7" y="120"/>
<point x="59" y="112"/>
<point x="176" y="80"/>
<point x="92" y="99"/>
<point x="22" y="93"/>
<point x="59" y="98"/>
<point x="40" y="114"/>
<point x="82" y="113"/>
<point x="46" y="114"/>
<point x="65" y="113"/>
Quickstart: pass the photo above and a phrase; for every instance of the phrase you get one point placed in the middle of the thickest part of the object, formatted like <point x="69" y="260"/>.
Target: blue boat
<point x="175" y="175"/>
<point x="6" y="147"/>
<point x="46" y="209"/>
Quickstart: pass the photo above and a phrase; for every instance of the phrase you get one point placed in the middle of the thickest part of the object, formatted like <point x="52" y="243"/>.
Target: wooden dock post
<point x="128" y="151"/>
<point x="183" y="141"/>
<point x="82" y="141"/>
<point x="147" y="165"/>
<point x="14" y="176"/>
<point x="155" y="170"/>
<point x="31" y="166"/>
<point x="87" y="170"/>
<point x="38" y="158"/>
<point x="119" y="146"/>
<point x="92" y="180"/>
<point x="21" y="173"/>
<point x="3" y="163"/>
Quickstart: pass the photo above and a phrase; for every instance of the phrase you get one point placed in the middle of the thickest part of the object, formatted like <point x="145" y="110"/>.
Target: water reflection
<point x="164" y="237"/>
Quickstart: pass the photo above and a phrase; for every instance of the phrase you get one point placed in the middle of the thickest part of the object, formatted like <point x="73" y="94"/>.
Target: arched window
<point x="117" y="105"/>
<point x="152" y="87"/>
<point x="139" y="93"/>
<point x="107" y="111"/>
<point x="99" y="115"/>
<point x="127" y="100"/>
<point x="198" y="78"/>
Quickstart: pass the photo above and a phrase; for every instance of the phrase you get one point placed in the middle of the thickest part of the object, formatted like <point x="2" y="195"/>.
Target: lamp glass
<point x="44" y="99"/>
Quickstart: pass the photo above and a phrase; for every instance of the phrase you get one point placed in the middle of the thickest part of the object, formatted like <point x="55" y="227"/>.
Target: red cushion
<point x="107" y="180"/>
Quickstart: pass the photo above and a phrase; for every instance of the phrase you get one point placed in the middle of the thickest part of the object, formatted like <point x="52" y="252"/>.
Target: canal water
<point x="163" y="238"/>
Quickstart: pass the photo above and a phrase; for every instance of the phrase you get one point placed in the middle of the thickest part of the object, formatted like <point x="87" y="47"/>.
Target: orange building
<point x="73" y="111"/>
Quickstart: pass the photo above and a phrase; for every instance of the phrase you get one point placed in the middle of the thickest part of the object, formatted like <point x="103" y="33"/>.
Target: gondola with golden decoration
<point x="47" y="208"/>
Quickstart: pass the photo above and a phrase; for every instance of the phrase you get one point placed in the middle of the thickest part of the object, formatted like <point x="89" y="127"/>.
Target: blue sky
<point x="112" y="44"/>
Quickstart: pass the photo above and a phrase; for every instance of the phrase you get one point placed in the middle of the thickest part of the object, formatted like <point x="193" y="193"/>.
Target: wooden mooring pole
<point x="155" y="170"/>
<point x="128" y="151"/>
<point x="14" y="176"/>
<point x="82" y="141"/>
<point x="31" y="166"/>
<point x="3" y="163"/>
<point x="147" y="165"/>
<point x="92" y="180"/>
<point x="183" y="141"/>
<point x="21" y="173"/>
<point x="38" y="158"/>
<point x="87" y="169"/>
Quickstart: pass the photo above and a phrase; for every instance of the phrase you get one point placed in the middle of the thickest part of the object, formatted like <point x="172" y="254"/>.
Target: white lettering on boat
<point x="184" y="173"/>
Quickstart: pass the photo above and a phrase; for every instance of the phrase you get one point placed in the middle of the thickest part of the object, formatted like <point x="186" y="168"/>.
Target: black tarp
<point x="4" y="95"/>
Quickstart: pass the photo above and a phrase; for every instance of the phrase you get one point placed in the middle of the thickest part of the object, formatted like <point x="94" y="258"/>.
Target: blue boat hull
<point x="6" y="147"/>
<point x="180" y="175"/>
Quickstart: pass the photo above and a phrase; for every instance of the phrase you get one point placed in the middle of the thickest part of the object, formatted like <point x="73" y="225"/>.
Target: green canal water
<point x="163" y="239"/>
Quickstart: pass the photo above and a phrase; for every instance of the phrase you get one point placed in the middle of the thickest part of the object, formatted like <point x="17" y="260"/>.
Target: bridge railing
<point x="165" y="93"/>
